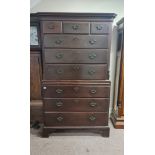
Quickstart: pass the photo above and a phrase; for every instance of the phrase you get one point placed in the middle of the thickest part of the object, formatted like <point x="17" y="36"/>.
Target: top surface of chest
<point x="77" y="16"/>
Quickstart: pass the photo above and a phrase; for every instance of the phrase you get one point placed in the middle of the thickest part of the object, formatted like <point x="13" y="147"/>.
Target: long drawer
<point x="76" y="104"/>
<point x="75" y="55"/>
<point x="75" y="41"/>
<point x="75" y="72"/>
<point x="70" y="91"/>
<point x="76" y="119"/>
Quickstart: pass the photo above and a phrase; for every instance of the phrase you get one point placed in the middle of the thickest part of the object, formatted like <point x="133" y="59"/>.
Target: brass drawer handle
<point x="51" y="26"/>
<point x="59" y="119"/>
<point x="76" y="68"/>
<point x="59" y="55"/>
<point x="99" y="27"/>
<point x="92" y="118"/>
<point x="58" y="41"/>
<point x="92" y="42"/>
<point x="91" y="72"/>
<point x="92" y="56"/>
<point x="59" y="104"/>
<point x="92" y="104"/>
<point x="75" y="27"/>
<point x="93" y="91"/>
<point x="59" y="71"/>
<point x="59" y="91"/>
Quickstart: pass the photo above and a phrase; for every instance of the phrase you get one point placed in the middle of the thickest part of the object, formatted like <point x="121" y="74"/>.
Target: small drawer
<point x="76" y="105"/>
<point x="52" y="27"/>
<point x="100" y="28"/>
<point x="76" y="27"/>
<point x="75" y="72"/>
<point x="91" y="56"/>
<point x="71" y="91"/>
<point x="76" y="119"/>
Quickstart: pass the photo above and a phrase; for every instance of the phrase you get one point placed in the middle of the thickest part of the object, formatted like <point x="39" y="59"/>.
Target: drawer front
<point x="75" y="41"/>
<point x="76" y="119"/>
<point x="70" y="91"/>
<point x="76" y="105"/>
<point x="51" y="27"/>
<point x="76" y="27"/>
<point x="75" y="72"/>
<point x="100" y="28"/>
<point x="75" y="56"/>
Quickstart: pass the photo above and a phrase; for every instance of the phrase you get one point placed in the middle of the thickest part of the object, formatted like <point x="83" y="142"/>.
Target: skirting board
<point x="118" y="122"/>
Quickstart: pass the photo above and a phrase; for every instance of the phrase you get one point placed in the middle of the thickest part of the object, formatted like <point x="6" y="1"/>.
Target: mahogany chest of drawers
<point x="75" y="55"/>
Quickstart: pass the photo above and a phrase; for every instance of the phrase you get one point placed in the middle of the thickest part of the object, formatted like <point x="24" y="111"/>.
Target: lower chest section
<point x="76" y="104"/>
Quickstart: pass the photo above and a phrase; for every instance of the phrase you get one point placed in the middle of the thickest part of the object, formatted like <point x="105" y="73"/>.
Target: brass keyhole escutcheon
<point x="76" y="89"/>
<point x="76" y="101"/>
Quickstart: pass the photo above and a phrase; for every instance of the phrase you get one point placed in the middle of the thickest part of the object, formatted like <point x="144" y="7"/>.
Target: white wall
<point x="112" y="6"/>
<point x="112" y="63"/>
<point x="104" y="6"/>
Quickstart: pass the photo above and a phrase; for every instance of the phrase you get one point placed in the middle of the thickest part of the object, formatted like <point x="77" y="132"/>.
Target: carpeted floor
<point x="78" y="143"/>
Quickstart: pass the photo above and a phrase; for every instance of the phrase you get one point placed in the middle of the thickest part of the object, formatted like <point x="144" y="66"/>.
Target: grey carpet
<point x="77" y="143"/>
